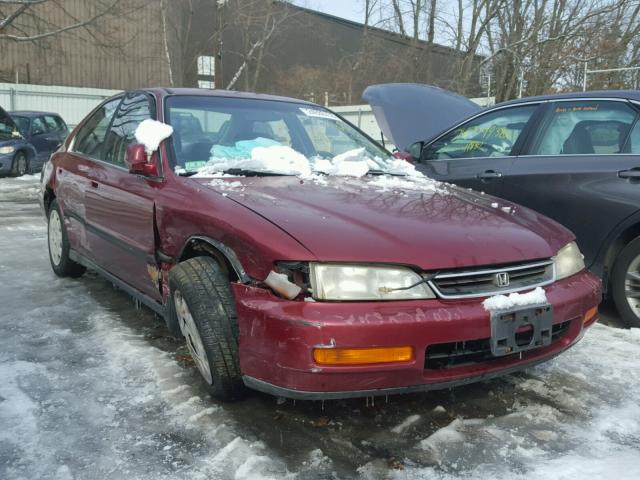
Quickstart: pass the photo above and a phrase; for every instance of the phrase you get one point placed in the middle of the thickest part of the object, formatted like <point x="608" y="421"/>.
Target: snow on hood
<point x="411" y="112"/>
<point x="151" y="133"/>
<point x="387" y="219"/>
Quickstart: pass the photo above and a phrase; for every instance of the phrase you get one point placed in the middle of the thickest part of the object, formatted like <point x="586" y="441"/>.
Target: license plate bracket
<point x="521" y="329"/>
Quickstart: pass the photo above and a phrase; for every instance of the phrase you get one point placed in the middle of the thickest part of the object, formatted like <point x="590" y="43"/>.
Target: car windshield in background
<point x="7" y="128"/>
<point x="21" y="122"/>
<point x="218" y="134"/>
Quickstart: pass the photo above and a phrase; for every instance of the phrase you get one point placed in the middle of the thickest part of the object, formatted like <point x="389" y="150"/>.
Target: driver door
<point x="480" y="152"/>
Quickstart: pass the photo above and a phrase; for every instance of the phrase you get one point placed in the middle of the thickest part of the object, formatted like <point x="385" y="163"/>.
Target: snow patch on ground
<point x="410" y="420"/>
<point x="505" y="302"/>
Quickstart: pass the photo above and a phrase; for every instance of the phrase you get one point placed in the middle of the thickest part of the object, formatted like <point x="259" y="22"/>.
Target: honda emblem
<point x="502" y="279"/>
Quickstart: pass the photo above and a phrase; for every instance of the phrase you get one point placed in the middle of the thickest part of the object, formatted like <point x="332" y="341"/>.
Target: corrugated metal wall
<point x="123" y="49"/>
<point x="72" y="103"/>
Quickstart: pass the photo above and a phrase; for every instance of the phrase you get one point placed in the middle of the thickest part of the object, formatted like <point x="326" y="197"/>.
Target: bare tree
<point x="13" y="10"/>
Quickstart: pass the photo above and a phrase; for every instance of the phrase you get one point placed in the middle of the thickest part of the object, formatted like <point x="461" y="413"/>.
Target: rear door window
<point x="634" y="139"/>
<point x="91" y="136"/>
<point x="493" y="134"/>
<point x="585" y="127"/>
<point x="54" y="124"/>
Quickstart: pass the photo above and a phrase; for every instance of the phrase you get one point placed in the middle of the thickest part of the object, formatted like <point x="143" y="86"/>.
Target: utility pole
<point x="584" y="79"/>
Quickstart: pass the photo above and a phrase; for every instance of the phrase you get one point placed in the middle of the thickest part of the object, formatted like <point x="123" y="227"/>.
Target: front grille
<point x="457" y="354"/>
<point x="484" y="282"/>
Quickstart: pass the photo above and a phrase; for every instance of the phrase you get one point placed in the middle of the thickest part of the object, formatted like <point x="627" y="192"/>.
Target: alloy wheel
<point x="632" y="285"/>
<point x="191" y="334"/>
<point x="21" y="164"/>
<point x="55" y="237"/>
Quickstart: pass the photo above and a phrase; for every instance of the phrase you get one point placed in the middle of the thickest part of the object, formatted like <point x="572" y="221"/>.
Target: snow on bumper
<point x="277" y="339"/>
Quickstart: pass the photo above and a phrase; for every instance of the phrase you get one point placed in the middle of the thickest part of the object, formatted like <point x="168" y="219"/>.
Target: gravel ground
<point x="93" y="387"/>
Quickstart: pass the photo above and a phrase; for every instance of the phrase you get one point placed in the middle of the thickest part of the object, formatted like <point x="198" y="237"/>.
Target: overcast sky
<point x="350" y="9"/>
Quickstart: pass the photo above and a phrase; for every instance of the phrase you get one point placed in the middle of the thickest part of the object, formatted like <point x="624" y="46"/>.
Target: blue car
<point x="27" y="140"/>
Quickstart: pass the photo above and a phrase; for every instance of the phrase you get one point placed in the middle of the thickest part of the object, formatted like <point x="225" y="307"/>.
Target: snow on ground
<point x="91" y="387"/>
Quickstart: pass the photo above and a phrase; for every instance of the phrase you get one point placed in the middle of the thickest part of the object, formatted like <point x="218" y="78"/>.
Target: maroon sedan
<point x="297" y="257"/>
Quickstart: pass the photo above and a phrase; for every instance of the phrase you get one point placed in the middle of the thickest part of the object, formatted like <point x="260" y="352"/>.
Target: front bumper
<point x="6" y="163"/>
<point x="277" y="338"/>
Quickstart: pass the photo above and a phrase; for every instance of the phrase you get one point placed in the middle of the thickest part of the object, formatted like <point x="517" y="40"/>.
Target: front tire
<point x="202" y="304"/>
<point x="20" y="165"/>
<point x="625" y="283"/>
<point x="58" y="242"/>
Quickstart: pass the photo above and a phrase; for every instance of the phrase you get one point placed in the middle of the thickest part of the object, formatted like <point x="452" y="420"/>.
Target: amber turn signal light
<point x="590" y="316"/>
<point x="360" y="356"/>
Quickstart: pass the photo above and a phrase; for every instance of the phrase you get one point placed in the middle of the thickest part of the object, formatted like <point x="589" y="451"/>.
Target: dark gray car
<point x="45" y="131"/>
<point x="574" y="157"/>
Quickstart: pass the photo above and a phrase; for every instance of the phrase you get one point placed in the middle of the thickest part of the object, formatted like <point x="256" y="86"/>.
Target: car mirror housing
<point x="139" y="163"/>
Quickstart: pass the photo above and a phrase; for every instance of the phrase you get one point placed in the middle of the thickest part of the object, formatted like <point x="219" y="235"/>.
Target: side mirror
<point x="415" y="151"/>
<point x="138" y="163"/>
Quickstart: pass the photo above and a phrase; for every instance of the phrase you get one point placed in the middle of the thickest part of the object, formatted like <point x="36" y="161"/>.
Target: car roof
<point x="599" y="94"/>
<point x="165" y="92"/>
<point x="31" y="113"/>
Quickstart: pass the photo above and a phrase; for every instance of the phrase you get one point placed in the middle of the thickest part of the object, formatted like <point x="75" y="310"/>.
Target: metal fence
<point x="72" y="103"/>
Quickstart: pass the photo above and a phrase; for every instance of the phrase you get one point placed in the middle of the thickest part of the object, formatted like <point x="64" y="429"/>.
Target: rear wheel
<point x="202" y="304"/>
<point x="20" y="165"/>
<point x="61" y="264"/>
<point x="625" y="282"/>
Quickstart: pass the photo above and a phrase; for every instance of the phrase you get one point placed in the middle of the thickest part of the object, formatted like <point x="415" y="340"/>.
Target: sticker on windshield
<point x="192" y="166"/>
<point x="316" y="112"/>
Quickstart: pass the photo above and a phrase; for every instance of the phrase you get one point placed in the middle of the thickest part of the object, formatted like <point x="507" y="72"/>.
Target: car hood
<point x="411" y="112"/>
<point x="380" y="220"/>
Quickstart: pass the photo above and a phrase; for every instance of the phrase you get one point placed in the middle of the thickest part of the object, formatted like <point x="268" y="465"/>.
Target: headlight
<point x="335" y="281"/>
<point x="7" y="149"/>
<point x="568" y="261"/>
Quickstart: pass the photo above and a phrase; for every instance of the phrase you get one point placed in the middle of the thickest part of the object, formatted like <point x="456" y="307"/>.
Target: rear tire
<point x="20" y="165"/>
<point x="58" y="243"/>
<point x="202" y="304"/>
<point x="625" y="284"/>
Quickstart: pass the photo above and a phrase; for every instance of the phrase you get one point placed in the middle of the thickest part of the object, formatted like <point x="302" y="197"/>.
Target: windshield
<point x="7" y="127"/>
<point x="21" y="122"/>
<point x="217" y="134"/>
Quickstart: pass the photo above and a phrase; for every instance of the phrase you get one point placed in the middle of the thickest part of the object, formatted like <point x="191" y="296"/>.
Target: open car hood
<point x="412" y="112"/>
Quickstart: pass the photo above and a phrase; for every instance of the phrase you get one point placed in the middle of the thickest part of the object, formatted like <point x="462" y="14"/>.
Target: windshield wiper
<point x="240" y="172"/>
<point x="384" y="172"/>
<point x="254" y="173"/>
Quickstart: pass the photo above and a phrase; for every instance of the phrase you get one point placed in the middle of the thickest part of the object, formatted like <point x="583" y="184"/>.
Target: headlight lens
<point x="568" y="261"/>
<point x="335" y="281"/>
<point x="7" y="149"/>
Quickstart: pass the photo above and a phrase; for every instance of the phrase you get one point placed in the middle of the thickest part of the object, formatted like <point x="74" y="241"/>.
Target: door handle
<point x="489" y="174"/>
<point x="94" y="184"/>
<point x="631" y="173"/>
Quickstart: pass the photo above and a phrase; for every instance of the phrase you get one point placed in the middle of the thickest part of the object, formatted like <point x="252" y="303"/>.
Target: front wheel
<point x="202" y="304"/>
<point x="20" y="165"/>
<point x="625" y="283"/>
<point x="61" y="263"/>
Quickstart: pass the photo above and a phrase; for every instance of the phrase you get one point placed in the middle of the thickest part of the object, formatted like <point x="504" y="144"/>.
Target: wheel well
<point x="200" y="248"/>
<point x="617" y="245"/>
<point x="27" y="152"/>
<point x="47" y="199"/>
